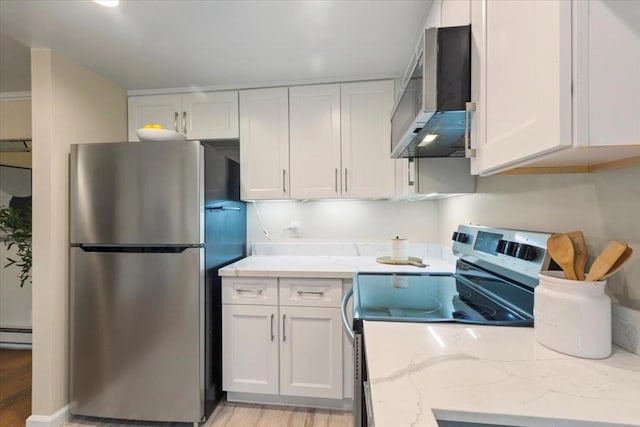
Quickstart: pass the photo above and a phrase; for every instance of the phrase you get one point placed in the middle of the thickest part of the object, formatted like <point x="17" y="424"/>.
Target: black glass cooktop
<point x="467" y="298"/>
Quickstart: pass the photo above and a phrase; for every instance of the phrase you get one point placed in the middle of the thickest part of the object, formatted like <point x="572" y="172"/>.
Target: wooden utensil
<point x="560" y="248"/>
<point x="619" y="263"/>
<point x="416" y="262"/>
<point x="580" y="248"/>
<point x="606" y="260"/>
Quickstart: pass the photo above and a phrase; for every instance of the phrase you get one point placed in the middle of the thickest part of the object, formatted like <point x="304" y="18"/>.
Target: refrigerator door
<point x="136" y="193"/>
<point x="137" y="334"/>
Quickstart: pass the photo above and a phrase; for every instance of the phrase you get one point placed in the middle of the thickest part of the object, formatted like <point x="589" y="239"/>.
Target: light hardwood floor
<point x="245" y="415"/>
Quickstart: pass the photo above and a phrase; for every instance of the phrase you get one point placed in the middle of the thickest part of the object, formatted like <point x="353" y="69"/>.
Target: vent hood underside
<point x="429" y="118"/>
<point x="441" y="136"/>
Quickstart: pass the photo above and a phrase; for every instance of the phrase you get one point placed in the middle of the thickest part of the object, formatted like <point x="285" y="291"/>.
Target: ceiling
<point x="146" y="45"/>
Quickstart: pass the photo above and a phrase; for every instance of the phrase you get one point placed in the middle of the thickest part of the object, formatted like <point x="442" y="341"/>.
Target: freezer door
<point x="136" y="193"/>
<point x="137" y="335"/>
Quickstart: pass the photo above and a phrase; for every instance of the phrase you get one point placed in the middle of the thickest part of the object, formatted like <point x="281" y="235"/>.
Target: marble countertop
<point x="493" y="375"/>
<point x="338" y="267"/>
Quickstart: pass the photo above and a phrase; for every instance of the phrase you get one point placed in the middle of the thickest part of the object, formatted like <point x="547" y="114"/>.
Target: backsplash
<point x="345" y="220"/>
<point x="603" y="205"/>
<point x="377" y="249"/>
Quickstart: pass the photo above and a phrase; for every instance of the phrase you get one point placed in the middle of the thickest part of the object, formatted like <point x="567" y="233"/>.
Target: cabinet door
<point x="314" y="131"/>
<point x="608" y="96"/>
<point x="210" y="115"/>
<point x="454" y="12"/>
<point x="365" y="117"/>
<point x="161" y="109"/>
<point x="250" y="348"/>
<point x="525" y="80"/>
<point x="264" y="144"/>
<point x="311" y="352"/>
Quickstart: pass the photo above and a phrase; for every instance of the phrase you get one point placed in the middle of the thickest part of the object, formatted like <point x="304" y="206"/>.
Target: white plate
<point x="150" y="135"/>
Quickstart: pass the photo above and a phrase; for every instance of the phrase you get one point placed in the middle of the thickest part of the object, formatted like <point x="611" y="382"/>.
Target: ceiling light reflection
<point x="107" y="3"/>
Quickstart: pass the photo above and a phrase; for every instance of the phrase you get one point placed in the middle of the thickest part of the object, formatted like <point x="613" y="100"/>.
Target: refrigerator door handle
<point x="158" y="249"/>
<point x="223" y="208"/>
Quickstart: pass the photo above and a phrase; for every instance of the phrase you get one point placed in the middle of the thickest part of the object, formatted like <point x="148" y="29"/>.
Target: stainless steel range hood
<point x="429" y="118"/>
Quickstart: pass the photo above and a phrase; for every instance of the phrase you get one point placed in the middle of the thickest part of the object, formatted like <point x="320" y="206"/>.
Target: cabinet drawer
<point x="254" y="291"/>
<point x="311" y="292"/>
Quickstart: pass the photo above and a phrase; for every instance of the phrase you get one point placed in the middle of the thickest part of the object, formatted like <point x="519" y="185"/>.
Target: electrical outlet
<point x="294" y="229"/>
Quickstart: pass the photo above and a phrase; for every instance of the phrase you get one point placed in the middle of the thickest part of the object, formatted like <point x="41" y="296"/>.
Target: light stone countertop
<point x="337" y="267"/>
<point x="493" y="375"/>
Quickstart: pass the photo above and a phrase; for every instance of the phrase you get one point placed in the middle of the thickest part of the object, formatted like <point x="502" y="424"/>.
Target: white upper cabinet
<point x="608" y="61"/>
<point x="210" y="115"/>
<point x="314" y="144"/>
<point x="264" y="144"/>
<point x="525" y="80"/>
<point x="367" y="168"/>
<point x="161" y="109"/>
<point x="555" y="84"/>
<point x="201" y="115"/>
<point x="317" y="142"/>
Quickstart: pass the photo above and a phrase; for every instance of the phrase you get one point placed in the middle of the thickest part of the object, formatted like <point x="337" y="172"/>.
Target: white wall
<point x="71" y="104"/>
<point x="15" y="119"/>
<point x="344" y="220"/>
<point x="604" y="205"/>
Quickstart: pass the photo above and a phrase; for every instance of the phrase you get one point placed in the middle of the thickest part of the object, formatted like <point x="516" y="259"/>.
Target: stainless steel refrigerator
<point x="150" y="224"/>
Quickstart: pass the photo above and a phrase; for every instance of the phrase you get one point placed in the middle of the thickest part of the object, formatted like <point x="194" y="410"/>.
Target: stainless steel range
<point x="496" y="272"/>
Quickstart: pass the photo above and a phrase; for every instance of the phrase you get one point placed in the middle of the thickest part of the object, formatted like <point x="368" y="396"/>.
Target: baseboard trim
<point x="55" y="420"/>
<point x="304" y="402"/>
<point x="15" y="346"/>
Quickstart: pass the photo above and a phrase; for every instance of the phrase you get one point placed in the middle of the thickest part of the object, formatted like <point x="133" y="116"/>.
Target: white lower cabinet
<point x="287" y="346"/>
<point x="311" y="352"/>
<point x="250" y="348"/>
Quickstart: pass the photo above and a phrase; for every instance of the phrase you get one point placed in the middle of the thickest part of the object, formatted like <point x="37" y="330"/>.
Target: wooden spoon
<point x="606" y="260"/>
<point x="560" y="248"/>
<point x="619" y="263"/>
<point x="580" y="247"/>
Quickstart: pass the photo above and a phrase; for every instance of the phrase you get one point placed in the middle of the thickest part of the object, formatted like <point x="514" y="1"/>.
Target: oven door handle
<point x="345" y="319"/>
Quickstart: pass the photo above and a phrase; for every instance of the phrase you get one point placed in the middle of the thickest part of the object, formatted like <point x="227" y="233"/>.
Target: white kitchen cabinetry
<point x="314" y="145"/>
<point x="311" y="342"/>
<point x="365" y="110"/>
<point x="339" y="141"/>
<point x="250" y="335"/>
<point x="424" y="178"/>
<point x="284" y="346"/>
<point x="161" y="109"/>
<point x="527" y="56"/>
<point x="200" y="115"/>
<point x="264" y="144"/>
<point x="311" y="352"/>
<point x="250" y="348"/>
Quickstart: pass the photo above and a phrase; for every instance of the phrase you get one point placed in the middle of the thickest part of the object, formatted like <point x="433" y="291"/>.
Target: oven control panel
<point x="518" y="254"/>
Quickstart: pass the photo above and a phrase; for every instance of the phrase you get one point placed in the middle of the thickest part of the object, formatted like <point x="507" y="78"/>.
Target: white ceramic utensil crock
<point x="572" y="317"/>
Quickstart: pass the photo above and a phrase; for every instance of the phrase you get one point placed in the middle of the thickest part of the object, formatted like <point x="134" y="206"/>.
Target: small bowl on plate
<point x="153" y="135"/>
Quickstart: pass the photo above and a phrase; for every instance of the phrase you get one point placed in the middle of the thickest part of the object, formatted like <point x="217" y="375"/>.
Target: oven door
<point x="362" y="409"/>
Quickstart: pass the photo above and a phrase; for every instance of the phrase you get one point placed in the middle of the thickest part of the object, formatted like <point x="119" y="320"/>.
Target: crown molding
<point x="221" y="87"/>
